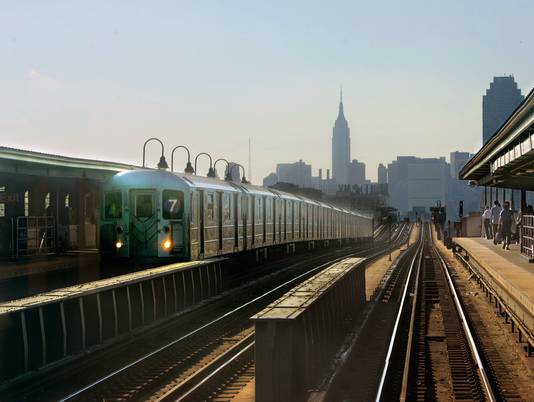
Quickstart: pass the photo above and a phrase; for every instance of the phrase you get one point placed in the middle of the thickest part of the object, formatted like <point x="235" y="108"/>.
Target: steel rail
<point x="141" y="359"/>
<point x="467" y="330"/>
<point x="418" y="255"/>
<point x="189" y="393"/>
<point x="407" y="357"/>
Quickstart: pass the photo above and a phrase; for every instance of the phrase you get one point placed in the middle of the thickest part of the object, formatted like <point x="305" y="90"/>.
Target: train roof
<point x="145" y="177"/>
<point x="206" y="182"/>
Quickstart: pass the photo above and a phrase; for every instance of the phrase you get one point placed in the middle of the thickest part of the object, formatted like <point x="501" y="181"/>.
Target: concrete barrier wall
<point x="297" y="335"/>
<point x="44" y="329"/>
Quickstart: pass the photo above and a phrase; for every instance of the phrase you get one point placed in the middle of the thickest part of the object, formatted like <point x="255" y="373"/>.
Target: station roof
<point x="21" y="161"/>
<point x="507" y="159"/>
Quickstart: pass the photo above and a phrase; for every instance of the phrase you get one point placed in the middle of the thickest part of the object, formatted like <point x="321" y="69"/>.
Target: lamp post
<point x="227" y="174"/>
<point x="162" y="164"/>
<point x="188" y="168"/>
<point x="243" y="179"/>
<point x="211" y="172"/>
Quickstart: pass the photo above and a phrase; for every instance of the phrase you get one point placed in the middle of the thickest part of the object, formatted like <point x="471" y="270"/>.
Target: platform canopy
<point x="507" y="159"/>
<point x="22" y="162"/>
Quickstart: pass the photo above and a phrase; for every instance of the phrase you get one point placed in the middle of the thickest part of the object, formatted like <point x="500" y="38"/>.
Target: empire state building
<point x="340" y="146"/>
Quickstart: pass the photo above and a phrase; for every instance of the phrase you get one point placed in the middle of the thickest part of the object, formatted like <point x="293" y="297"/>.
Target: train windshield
<point x="173" y="202"/>
<point x="113" y="206"/>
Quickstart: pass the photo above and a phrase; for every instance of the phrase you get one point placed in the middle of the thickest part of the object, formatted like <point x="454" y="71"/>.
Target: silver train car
<point x="156" y="214"/>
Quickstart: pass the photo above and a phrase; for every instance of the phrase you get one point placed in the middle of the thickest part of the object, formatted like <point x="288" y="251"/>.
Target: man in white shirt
<point x="495" y="214"/>
<point x="486" y="222"/>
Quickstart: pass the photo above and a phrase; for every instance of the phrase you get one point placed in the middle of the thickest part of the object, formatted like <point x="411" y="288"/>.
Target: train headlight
<point x="118" y="244"/>
<point x="167" y="244"/>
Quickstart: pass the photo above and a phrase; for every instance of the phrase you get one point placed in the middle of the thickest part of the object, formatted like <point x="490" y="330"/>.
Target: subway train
<point x="156" y="214"/>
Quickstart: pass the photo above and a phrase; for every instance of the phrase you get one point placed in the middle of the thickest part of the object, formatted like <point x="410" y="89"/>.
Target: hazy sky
<point x="95" y="79"/>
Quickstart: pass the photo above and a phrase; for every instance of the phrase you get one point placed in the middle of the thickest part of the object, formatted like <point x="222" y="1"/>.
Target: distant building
<point x="382" y="174"/>
<point x="298" y="173"/>
<point x="340" y="146"/>
<point x="501" y="98"/>
<point x="328" y="186"/>
<point x="356" y="172"/>
<point x="459" y="190"/>
<point x="270" y="180"/>
<point x="417" y="183"/>
<point x="458" y="161"/>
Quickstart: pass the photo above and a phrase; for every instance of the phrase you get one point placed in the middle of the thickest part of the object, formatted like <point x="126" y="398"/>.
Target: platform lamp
<point x="243" y="179"/>
<point x="227" y="175"/>
<point x="188" y="167"/>
<point x="162" y="164"/>
<point x="211" y="172"/>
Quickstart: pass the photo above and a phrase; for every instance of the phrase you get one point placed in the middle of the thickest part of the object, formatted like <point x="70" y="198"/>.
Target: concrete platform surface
<point x="509" y="271"/>
<point x="17" y="269"/>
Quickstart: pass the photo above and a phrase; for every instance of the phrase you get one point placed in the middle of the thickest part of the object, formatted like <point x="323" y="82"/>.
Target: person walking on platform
<point x="505" y="225"/>
<point x="486" y="222"/>
<point x="495" y="214"/>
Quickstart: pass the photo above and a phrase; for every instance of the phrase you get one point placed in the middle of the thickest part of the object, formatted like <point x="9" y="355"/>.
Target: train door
<point x="275" y="217"/>
<point x="220" y="219"/>
<point x="285" y="219"/>
<point x="236" y="220"/>
<point x="143" y="223"/>
<point x="253" y="219"/>
<point x="201" y="220"/>
<point x="264" y="218"/>
<point x="245" y="214"/>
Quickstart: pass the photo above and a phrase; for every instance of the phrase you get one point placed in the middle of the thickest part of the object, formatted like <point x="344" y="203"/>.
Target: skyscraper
<point x="382" y="174"/>
<point x="340" y="146"/>
<point x="356" y="172"/>
<point x="458" y="161"/>
<point x="501" y="98"/>
<point x="298" y="173"/>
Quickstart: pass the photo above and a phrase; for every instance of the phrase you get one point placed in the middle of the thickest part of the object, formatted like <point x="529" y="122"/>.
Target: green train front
<point x="144" y="215"/>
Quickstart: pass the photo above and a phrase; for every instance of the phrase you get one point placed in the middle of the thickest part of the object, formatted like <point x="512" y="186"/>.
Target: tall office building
<point x="298" y="173"/>
<point x="415" y="184"/>
<point x="340" y="147"/>
<point x="458" y="161"/>
<point x="382" y="174"/>
<point x="356" y="173"/>
<point x="501" y="98"/>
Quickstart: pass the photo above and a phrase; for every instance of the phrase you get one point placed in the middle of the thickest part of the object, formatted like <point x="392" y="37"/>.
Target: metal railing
<point x="35" y="235"/>
<point x="527" y="235"/>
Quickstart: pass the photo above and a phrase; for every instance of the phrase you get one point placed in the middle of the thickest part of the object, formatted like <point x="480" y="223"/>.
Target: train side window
<point x="210" y="206"/>
<point x="227" y="207"/>
<point x="172" y="204"/>
<point x="258" y="209"/>
<point x="268" y="209"/>
<point x="113" y="206"/>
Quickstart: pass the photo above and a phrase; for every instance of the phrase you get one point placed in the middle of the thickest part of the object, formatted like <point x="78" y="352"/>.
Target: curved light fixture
<point x="211" y="172"/>
<point x="162" y="164"/>
<point x="188" y="168"/>
<point x="243" y="178"/>
<point x="227" y="175"/>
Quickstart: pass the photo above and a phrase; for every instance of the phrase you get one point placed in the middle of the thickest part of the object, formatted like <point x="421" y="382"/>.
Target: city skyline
<point x="212" y="80"/>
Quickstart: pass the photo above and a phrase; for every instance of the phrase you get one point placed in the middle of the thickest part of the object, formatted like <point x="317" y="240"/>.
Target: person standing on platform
<point x="486" y="222"/>
<point x="505" y="225"/>
<point x="495" y="214"/>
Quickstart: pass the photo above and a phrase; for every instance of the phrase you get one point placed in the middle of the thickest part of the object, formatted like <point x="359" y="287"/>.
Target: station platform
<point x="17" y="269"/>
<point x="507" y="271"/>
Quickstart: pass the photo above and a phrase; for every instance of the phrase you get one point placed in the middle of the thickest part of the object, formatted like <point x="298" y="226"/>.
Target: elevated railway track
<point x="189" y="354"/>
